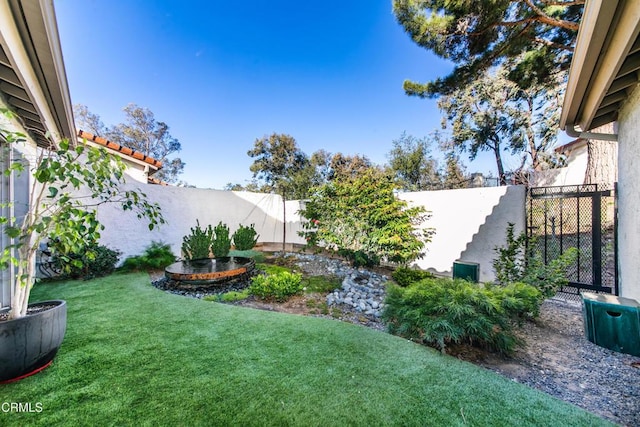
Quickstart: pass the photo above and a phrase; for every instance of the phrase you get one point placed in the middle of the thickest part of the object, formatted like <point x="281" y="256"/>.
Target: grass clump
<point x="276" y="287"/>
<point x="231" y="296"/>
<point x="274" y="268"/>
<point x="321" y="284"/>
<point x="438" y="312"/>
<point x="156" y="256"/>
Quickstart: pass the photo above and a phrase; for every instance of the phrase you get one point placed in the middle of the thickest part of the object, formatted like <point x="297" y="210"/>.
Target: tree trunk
<point x="284" y="222"/>
<point x="501" y="177"/>
<point x="602" y="163"/>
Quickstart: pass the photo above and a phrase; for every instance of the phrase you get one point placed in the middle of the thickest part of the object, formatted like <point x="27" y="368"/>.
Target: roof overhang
<point x="33" y="80"/>
<point x="123" y="152"/>
<point x="605" y="66"/>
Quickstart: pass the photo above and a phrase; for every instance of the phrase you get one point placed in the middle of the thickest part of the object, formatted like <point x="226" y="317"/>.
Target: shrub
<point x="361" y="218"/>
<point x="197" y="245"/>
<point x="518" y="262"/>
<point x="278" y="287"/>
<point x="221" y="242"/>
<point x="92" y="261"/>
<point x="439" y="312"/>
<point x="156" y="256"/>
<point x="245" y="238"/>
<point x="404" y="276"/>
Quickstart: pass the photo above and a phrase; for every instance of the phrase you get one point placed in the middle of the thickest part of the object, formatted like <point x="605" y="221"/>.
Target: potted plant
<point x="68" y="181"/>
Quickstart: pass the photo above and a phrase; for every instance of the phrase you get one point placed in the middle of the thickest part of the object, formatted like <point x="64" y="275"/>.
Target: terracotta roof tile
<point x="119" y="148"/>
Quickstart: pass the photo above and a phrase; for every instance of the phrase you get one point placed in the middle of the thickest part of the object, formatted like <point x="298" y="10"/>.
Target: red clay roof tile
<point x="119" y="148"/>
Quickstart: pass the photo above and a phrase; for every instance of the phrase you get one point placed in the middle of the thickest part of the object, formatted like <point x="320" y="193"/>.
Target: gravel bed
<point x="557" y="358"/>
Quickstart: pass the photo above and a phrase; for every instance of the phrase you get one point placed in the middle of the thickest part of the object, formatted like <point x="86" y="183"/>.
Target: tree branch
<point x="546" y="19"/>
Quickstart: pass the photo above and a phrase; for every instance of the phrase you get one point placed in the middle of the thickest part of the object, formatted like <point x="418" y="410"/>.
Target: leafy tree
<point x="141" y="132"/>
<point x="454" y="172"/>
<point x="345" y="167"/>
<point x="69" y="182"/>
<point x="411" y="163"/>
<point x="278" y="165"/>
<point x="362" y="219"/>
<point x="538" y="35"/>
<point x="88" y="121"/>
<point x="484" y="118"/>
<point x="494" y="114"/>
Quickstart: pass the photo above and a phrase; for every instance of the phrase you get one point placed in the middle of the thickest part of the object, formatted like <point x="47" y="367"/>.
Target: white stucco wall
<point x="628" y="197"/>
<point x="470" y="224"/>
<point x="181" y="207"/>
<point x="572" y="174"/>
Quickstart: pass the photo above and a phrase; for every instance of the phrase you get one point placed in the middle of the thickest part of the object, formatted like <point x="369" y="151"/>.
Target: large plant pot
<point x="29" y="344"/>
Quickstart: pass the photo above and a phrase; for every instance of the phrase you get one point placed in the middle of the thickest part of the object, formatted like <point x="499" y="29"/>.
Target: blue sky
<point x="222" y="74"/>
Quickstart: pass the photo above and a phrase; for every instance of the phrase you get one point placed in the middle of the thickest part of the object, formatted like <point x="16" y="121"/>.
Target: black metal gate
<point x="583" y="217"/>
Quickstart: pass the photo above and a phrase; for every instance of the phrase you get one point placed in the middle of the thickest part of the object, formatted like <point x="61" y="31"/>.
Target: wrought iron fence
<point x="580" y="216"/>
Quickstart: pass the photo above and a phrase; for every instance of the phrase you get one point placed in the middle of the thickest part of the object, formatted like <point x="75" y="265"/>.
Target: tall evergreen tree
<point x="477" y="35"/>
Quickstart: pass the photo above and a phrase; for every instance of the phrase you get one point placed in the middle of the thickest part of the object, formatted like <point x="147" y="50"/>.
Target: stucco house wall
<point x="572" y="174"/>
<point x="15" y="188"/>
<point x="628" y="193"/>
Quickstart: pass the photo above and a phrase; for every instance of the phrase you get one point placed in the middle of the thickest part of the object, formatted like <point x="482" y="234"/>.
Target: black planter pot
<point x="29" y="344"/>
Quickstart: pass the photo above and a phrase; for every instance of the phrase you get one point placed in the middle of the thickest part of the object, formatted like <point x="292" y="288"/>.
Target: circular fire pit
<point x="209" y="270"/>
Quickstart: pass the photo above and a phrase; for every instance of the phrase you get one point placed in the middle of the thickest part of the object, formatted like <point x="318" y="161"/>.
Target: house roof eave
<point x="605" y="64"/>
<point x="32" y="73"/>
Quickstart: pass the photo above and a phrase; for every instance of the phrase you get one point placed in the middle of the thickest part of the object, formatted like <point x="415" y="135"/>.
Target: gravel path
<point x="558" y="360"/>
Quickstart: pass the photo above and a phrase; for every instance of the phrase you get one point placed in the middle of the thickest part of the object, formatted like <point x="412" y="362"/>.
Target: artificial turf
<point x="134" y="355"/>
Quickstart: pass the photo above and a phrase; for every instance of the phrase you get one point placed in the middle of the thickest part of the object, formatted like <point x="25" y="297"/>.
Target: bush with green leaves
<point x="156" y="256"/>
<point x="517" y="261"/>
<point x="245" y="238"/>
<point x="197" y="245"/>
<point x="276" y="287"/>
<point x="90" y="262"/>
<point x="405" y="276"/>
<point x="69" y="180"/>
<point x="442" y="311"/>
<point x="221" y="244"/>
<point x="361" y="218"/>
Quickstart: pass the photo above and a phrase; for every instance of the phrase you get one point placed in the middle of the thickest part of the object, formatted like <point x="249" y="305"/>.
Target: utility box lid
<point x="611" y="299"/>
<point x="612" y="322"/>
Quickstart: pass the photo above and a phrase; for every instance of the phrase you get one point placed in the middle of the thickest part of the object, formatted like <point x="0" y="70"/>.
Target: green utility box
<point x="466" y="270"/>
<point x="612" y="322"/>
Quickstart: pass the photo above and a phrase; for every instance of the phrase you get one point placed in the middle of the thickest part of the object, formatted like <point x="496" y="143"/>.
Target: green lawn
<point x="134" y="355"/>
